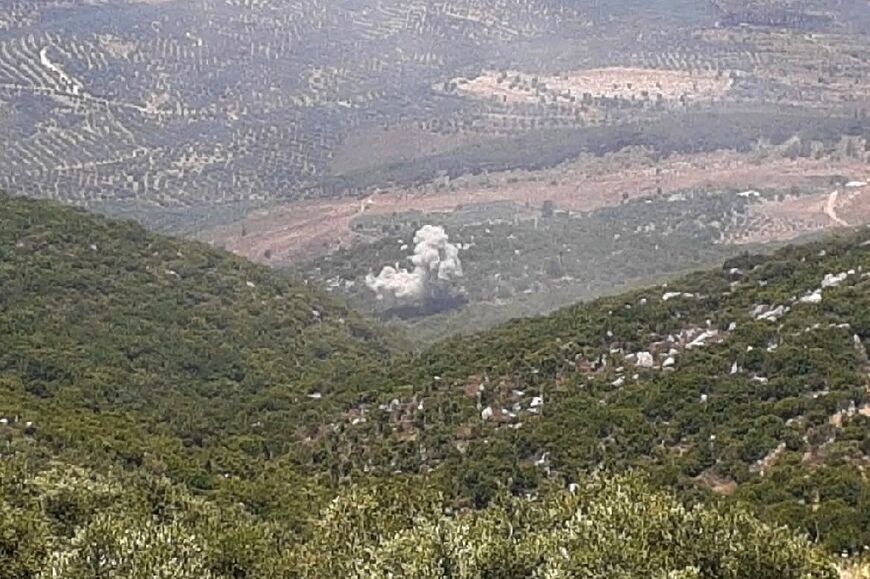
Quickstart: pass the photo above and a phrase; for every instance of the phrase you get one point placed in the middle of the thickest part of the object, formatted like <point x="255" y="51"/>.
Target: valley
<point x="314" y="289"/>
<point x="195" y="380"/>
<point x="297" y="134"/>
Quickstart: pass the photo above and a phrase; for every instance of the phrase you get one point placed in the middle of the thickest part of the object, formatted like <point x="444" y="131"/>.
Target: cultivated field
<point x="283" y="235"/>
<point x="577" y="89"/>
<point x="141" y="107"/>
<point x="298" y="131"/>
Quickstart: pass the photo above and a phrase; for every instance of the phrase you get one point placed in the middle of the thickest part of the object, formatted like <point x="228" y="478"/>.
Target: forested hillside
<point x="149" y="352"/>
<point x="161" y="401"/>
<point x="750" y="382"/>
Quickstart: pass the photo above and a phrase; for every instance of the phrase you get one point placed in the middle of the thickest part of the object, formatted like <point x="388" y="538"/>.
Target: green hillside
<point x="161" y="401"/>
<point x="751" y="381"/>
<point x="156" y="353"/>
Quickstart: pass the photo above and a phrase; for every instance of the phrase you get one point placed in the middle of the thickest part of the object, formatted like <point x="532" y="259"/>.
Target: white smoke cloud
<point x="436" y="264"/>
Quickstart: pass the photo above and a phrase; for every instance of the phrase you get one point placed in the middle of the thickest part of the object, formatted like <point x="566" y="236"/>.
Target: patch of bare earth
<point x="789" y="218"/>
<point x="612" y="82"/>
<point x="309" y="229"/>
<point x="289" y="233"/>
<point x="717" y="483"/>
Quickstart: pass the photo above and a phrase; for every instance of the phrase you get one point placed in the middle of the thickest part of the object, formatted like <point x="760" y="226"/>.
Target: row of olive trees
<point x="69" y="523"/>
<point x="607" y="527"/>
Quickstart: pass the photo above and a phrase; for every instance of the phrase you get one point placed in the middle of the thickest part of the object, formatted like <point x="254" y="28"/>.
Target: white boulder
<point x="645" y="360"/>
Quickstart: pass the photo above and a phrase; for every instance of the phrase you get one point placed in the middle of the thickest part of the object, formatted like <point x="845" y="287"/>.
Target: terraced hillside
<point x="313" y="133"/>
<point x="212" y="103"/>
<point x="148" y="107"/>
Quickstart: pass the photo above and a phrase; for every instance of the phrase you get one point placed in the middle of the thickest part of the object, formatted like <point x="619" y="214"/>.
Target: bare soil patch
<point x="787" y="219"/>
<point x="308" y="229"/>
<point x="717" y="483"/>
<point x="611" y="82"/>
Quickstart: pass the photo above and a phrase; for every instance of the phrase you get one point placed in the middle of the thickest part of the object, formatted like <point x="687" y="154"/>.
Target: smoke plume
<point x="436" y="264"/>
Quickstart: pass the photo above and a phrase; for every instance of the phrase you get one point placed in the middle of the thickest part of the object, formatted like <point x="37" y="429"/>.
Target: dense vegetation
<point x="73" y="523"/>
<point x="750" y="381"/>
<point x="725" y="128"/>
<point x="161" y="401"/>
<point x="160" y="354"/>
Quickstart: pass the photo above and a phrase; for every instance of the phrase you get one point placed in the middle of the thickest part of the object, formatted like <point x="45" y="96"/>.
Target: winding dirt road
<point x="831" y="209"/>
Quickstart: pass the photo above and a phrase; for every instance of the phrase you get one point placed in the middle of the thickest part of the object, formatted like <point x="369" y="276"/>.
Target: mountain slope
<point x="198" y="381"/>
<point x="152" y="351"/>
<point x="752" y="380"/>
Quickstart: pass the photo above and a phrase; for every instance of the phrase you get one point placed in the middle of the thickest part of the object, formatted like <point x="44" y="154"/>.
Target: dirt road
<point x="831" y="209"/>
<point x="307" y="229"/>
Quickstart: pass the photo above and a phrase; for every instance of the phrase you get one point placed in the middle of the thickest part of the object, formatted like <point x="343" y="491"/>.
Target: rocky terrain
<point x="163" y="401"/>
